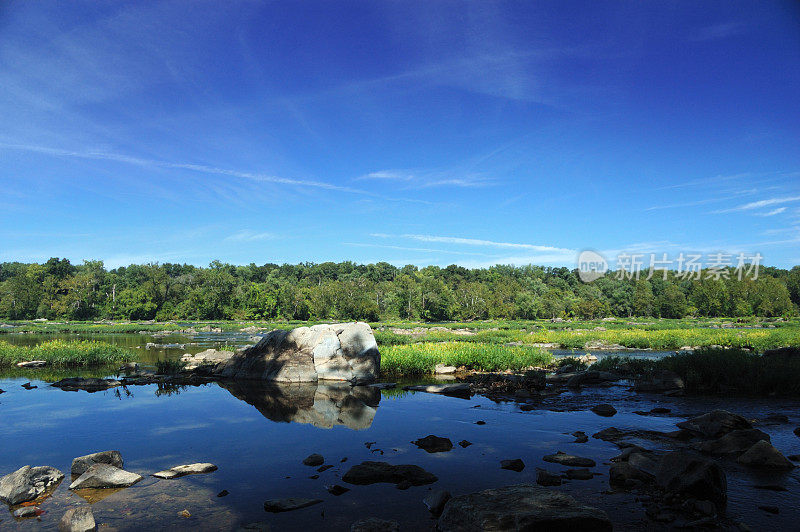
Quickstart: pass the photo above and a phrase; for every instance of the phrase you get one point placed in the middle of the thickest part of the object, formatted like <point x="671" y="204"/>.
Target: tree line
<point x="58" y="289"/>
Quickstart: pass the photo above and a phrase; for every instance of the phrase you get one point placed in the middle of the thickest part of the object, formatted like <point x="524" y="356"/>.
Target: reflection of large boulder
<point x="321" y="405"/>
<point x="343" y="352"/>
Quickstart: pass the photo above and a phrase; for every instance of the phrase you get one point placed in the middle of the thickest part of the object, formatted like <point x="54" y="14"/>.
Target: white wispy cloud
<point x="475" y="242"/>
<point x="773" y="212"/>
<point x="760" y="204"/>
<point x="718" y="31"/>
<point x="406" y="248"/>
<point x="250" y="236"/>
<point x="395" y="175"/>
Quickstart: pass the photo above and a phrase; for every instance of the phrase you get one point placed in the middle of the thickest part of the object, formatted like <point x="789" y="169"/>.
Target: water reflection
<point x="321" y="405"/>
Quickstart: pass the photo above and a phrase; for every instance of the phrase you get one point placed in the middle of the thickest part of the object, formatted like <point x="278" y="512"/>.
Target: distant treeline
<point x="58" y="289"/>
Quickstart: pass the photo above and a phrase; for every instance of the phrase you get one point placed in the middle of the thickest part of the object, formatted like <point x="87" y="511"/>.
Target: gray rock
<point x="622" y="473"/>
<point x="101" y="476"/>
<point x="436" y="500"/>
<point x="28" y="483"/>
<point x="89" y="384"/>
<point x="609" y="434"/>
<point x="373" y="524"/>
<point x="604" y="410"/>
<point x="205" y="361"/>
<point x="521" y="507"/>
<point x="442" y="369"/>
<point x="32" y="364"/>
<point x="78" y="519"/>
<point x="183" y="470"/>
<point x="314" y="460"/>
<point x="383" y="385"/>
<point x="82" y="463"/>
<point x="569" y="460"/>
<point x="289" y="504"/>
<point x="763" y="454"/>
<point x="578" y="474"/>
<point x="546" y="478"/>
<point x="462" y="388"/>
<point x="433" y="444"/>
<point x="692" y="475"/>
<point x="580" y="437"/>
<point x="374" y="472"/>
<point x="345" y="352"/>
<point x="336" y="489"/>
<point x="737" y="441"/>
<point x="715" y="424"/>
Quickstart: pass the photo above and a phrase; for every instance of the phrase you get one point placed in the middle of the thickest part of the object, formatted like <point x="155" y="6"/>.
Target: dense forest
<point x="59" y="289"/>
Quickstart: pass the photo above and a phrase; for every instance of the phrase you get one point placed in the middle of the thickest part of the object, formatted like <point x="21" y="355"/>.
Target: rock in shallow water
<point x="461" y="388"/>
<point x="287" y="505"/>
<point x="77" y="520"/>
<point x="436" y="500"/>
<point x="102" y="476"/>
<point x="314" y="460"/>
<point x="373" y="524"/>
<point x="521" y="507"/>
<point x="183" y="470"/>
<point x="715" y="424"/>
<point x="737" y="441"/>
<point x="28" y="483"/>
<point x="604" y="410"/>
<point x="374" y="472"/>
<point x="691" y="475"/>
<point x="82" y="463"/>
<point x="763" y="454"/>
<point x="434" y="444"/>
<point x="569" y="460"/>
<point x="512" y="465"/>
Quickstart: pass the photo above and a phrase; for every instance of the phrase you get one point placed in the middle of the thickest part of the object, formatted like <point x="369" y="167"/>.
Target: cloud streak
<point x="475" y="242"/>
<point x="760" y="204"/>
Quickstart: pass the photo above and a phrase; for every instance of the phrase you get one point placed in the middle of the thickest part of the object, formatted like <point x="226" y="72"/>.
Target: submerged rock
<point x="344" y="352"/>
<point x="433" y="444"/>
<point x="102" y="476"/>
<point x="691" y="475"/>
<point x="289" y="504"/>
<point x="183" y="470"/>
<point x="77" y="520"/>
<point x="513" y="465"/>
<point x="25" y="512"/>
<point x="373" y="524"/>
<point x="461" y="388"/>
<point x="580" y="437"/>
<point x="715" y="424"/>
<point x="336" y="489"/>
<point x="546" y="478"/>
<point x="763" y="454"/>
<point x="521" y="507"/>
<point x="27" y="483"/>
<point x="82" y="463"/>
<point x="604" y="410"/>
<point x="569" y="460"/>
<point x="374" y="472"/>
<point x="314" y="460"/>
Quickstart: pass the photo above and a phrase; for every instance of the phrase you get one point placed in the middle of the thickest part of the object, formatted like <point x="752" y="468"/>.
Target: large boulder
<point x="343" y="352"/>
<point x="82" y="463"/>
<point x="103" y="476"/>
<point x="735" y="442"/>
<point x="715" y="424"/>
<point x="28" y="483"/>
<point x="763" y="454"/>
<point x="521" y="507"/>
<point x="693" y="476"/>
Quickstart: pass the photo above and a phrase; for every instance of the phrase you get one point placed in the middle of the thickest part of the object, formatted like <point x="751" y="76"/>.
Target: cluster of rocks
<point x="26" y="488"/>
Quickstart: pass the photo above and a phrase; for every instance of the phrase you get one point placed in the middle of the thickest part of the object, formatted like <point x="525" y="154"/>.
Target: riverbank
<point x="64" y="353"/>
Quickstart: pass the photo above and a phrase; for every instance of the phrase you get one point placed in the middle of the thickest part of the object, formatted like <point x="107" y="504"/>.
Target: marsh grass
<point x="64" y="353"/>
<point x="718" y="371"/>
<point x="169" y="367"/>
<point x="422" y="358"/>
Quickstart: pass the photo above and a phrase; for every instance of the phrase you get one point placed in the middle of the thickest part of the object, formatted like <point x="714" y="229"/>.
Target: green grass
<point x="421" y="358"/>
<point x="718" y="371"/>
<point x="169" y="367"/>
<point x="63" y="353"/>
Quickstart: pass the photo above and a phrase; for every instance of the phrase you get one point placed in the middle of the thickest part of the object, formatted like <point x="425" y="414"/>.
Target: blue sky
<point x="473" y="133"/>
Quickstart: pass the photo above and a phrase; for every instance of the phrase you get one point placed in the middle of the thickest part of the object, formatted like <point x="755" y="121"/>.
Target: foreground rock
<point x="183" y="470"/>
<point x="77" y="520"/>
<point x="436" y="500"/>
<point x="344" y="352"/>
<point x="103" y="476"/>
<point x="89" y="384"/>
<point x="569" y="460"/>
<point x="763" y="454"/>
<point x="373" y="524"/>
<point x="521" y="507"/>
<point x="735" y="442"/>
<point x="287" y="505"/>
<point x="374" y="472"/>
<point x="715" y="424"/>
<point x="434" y="444"/>
<point x="27" y="483"/>
<point x="205" y="362"/>
<point x="462" y="388"/>
<point x="82" y="463"/>
<point x="690" y="475"/>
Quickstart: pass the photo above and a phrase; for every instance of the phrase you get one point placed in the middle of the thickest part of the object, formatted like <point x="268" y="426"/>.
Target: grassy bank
<point x="61" y="353"/>
<point x="422" y="358"/>
<point x="719" y="371"/>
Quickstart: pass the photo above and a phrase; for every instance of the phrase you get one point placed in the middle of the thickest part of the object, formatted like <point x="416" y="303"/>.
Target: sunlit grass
<point x="65" y="353"/>
<point x="422" y="358"/>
